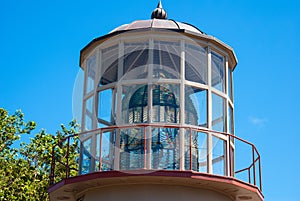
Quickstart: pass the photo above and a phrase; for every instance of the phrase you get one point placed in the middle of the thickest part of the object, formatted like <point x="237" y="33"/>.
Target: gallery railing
<point x="156" y="147"/>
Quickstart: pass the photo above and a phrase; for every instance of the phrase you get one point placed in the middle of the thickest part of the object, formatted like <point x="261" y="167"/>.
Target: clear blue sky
<point x="40" y="43"/>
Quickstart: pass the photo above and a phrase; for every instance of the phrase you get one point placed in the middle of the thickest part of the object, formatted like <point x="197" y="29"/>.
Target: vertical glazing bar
<point x="182" y="103"/>
<point x="227" y="120"/>
<point x="182" y="78"/>
<point x="119" y="86"/>
<point x="97" y="81"/>
<point x="83" y="124"/>
<point x="150" y="79"/>
<point x="118" y="108"/>
<point x="209" y="113"/>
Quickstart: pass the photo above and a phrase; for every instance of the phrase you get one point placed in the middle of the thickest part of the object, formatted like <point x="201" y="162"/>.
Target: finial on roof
<point x="159" y="12"/>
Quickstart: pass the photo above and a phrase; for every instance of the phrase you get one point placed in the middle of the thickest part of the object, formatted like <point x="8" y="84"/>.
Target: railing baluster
<point x="52" y="167"/>
<point x="249" y="175"/>
<point x="190" y="147"/>
<point x="254" y="171"/>
<point x="67" y="156"/>
<point x="260" y="176"/>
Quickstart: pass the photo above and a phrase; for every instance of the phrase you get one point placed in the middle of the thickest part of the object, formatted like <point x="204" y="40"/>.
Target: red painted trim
<point x="158" y="173"/>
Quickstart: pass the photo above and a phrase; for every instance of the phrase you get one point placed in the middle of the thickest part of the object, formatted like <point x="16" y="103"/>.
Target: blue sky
<point x="40" y="43"/>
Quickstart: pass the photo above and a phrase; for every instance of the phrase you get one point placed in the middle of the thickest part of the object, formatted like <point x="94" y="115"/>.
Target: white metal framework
<point x="163" y="79"/>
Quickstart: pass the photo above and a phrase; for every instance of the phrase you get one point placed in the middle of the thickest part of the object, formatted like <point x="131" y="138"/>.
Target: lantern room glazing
<point x="149" y="89"/>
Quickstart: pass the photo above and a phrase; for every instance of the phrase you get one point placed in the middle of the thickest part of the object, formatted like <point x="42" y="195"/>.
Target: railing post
<point x="145" y="147"/>
<point x="249" y="175"/>
<point x="67" y="156"/>
<point x="52" y="167"/>
<point x="260" y="177"/>
<point x="191" y="154"/>
<point x="254" y="171"/>
<point x="229" y="159"/>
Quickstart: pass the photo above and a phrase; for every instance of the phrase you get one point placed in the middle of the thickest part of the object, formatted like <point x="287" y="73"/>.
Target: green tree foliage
<point x="24" y="171"/>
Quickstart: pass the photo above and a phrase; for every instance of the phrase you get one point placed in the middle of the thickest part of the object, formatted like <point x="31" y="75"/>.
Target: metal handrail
<point x="255" y="159"/>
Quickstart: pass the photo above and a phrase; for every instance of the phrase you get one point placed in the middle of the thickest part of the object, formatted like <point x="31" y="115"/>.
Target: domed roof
<point x="158" y="24"/>
<point x="158" y="21"/>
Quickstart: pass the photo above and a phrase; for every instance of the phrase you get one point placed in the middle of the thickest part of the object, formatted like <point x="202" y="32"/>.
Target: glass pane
<point x="88" y="122"/>
<point x="195" y="106"/>
<point x="187" y="149"/>
<point x="217" y="71"/>
<point x="89" y="113"/>
<point x="86" y="156"/>
<point x="166" y="60"/>
<point x="195" y="63"/>
<point x="77" y="97"/>
<point x="165" y="103"/>
<point x="107" y="150"/>
<point x="135" y="104"/>
<point x="135" y="60"/>
<point x="218" y="156"/>
<point x="230" y="120"/>
<point x="91" y="70"/>
<point x="106" y="114"/>
<point x="109" y="67"/>
<point x="196" y="155"/>
<point x="97" y="157"/>
<point x="200" y="149"/>
<point x="132" y="149"/>
<point x="229" y="81"/>
<point x="218" y="113"/>
<point x="165" y="148"/>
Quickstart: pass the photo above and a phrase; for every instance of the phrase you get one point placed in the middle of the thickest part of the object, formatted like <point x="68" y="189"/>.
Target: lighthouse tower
<point x="157" y="120"/>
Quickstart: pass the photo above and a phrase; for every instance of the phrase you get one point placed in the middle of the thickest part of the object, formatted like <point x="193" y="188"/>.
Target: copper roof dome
<point x="158" y="21"/>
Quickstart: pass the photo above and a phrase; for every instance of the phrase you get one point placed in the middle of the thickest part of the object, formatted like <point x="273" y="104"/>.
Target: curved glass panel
<point x="195" y="64"/>
<point x="106" y="107"/>
<point x="230" y="120"/>
<point x="132" y="148"/>
<point x="89" y="113"/>
<point x="107" y="142"/>
<point x="135" y="104"/>
<point x="166" y="60"/>
<point x="165" y="104"/>
<point x="135" y="60"/>
<point x="109" y="65"/>
<point x="217" y="71"/>
<point x="165" y="148"/>
<point x="195" y="106"/>
<point x="218" y="156"/>
<point x="86" y="156"/>
<point x="195" y="155"/>
<point x="229" y="83"/>
<point x="91" y="70"/>
<point x="218" y="113"/>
